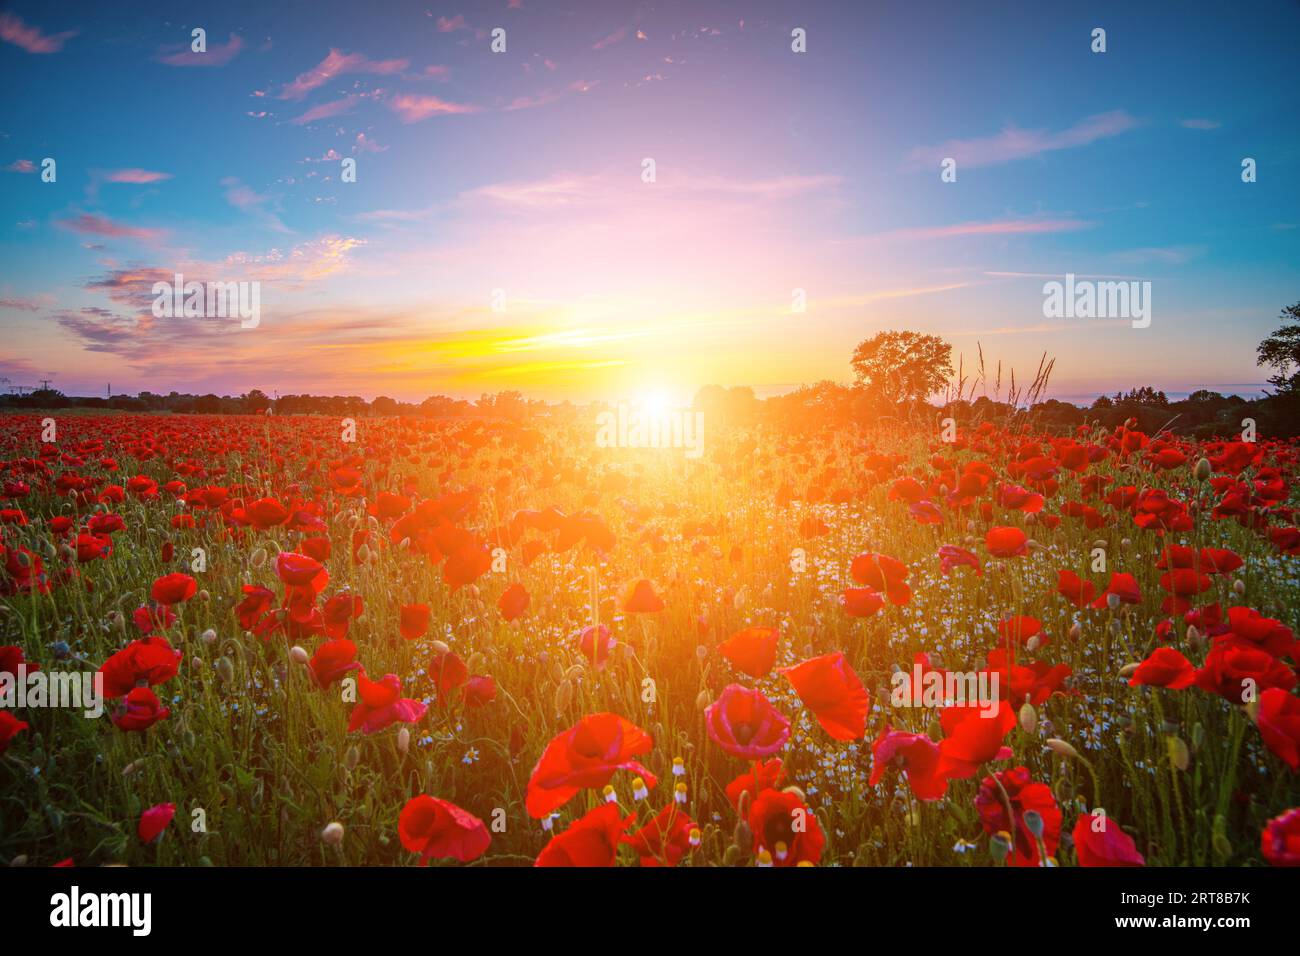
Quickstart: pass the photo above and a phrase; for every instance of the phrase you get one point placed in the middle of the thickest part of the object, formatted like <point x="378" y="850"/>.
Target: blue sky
<point x="521" y="172"/>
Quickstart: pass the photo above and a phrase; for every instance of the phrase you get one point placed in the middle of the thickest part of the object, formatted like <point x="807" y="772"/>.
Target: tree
<point x="1281" y="351"/>
<point x="903" y="366"/>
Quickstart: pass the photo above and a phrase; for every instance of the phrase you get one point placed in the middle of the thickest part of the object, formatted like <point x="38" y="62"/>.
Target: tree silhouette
<point x="903" y="366"/>
<point x="1281" y="351"/>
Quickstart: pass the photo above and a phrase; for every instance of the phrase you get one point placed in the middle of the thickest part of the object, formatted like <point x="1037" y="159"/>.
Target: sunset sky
<point x="522" y="171"/>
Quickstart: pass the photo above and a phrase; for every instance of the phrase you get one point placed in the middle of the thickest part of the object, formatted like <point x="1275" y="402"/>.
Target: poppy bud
<point x="1239" y="587"/>
<point x="203" y="595"/>
<point x="1058" y="746"/>
<point x="332" y="834"/>
<point x="1034" y="823"/>
<point x="208" y="636"/>
<point x="702" y="701"/>
<point x="1112" y="601"/>
<point x="1031" y="645"/>
<point x="1222" y="846"/>
<point x="557" y="672"/>
<point x="1126" y="543"/>
<point x="440" y="647"/>
<point x="1128" y="670"/>
<point x="563" y="697"/>
<point x="1028" y="717"/>
<point x="1031" y="518"/>
<point x="1202" y="470"/>
<point x="701" y="652"/>
<point x="225" y="669"/>
<point x="404" y="740"/>
<point x="352" y="758"/>
<point x="363" y="554"/>
<point x="1198" y="735"/>
<point x="1178" y="753"/>
<point x="475" y="663"/>
<point x="298" y="655"/>
<point x="19" y="860"/>
<point x="257" y="558"/>
<point x="1075" y="631"/>
<point x="1194" y="637"/>
<point x="1000" y="845"/>
<point x="797" y="792"/>
<point x="743" y="836"/>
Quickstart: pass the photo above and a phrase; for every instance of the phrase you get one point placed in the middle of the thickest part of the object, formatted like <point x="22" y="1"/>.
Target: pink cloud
<point x="102" y="226"/>
<point x="610" y="40"/>
<point x="336" y="64"/>
<point x="413" y="108"/>
<point x="138" y="176"/>
<point x="21" y="166"/>
<point x="326" y="110"/>
<point x="1014" y="143"/>
<point x="218" y="55"/>
<point x="14" y="30"/>
<point x="437" y="71"/>
<point x="998" y="227"/>
<point x="457" y="22"/>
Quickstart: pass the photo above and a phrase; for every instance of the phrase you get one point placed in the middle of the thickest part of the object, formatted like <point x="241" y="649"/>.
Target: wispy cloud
<point x="136" y="176"/>
<point x="93" y="225"/>
<point x="246" y="199"/>
<point x="21" y="166"/>
<point x="14" y="30"/>
<point x="1013" y="143"/>
<point x="326" y="110"/>
<point x="412" y="107"/>
<point x="336" y="64"/>
<point x="616" y="37"/>
<point x="218" y="55"/>
<point x="996" y="227"/>
<point x="1201" y="124"/>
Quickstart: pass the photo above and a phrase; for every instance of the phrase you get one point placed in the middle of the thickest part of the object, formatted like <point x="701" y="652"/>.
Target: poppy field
<point x="478" y="641"/>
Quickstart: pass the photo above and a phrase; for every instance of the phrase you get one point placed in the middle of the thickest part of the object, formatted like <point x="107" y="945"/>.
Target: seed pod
<point x="1028" y="717"/>
<point x="1058" y="746"/>
<point x="404" y="740"/>
<point x="1128" y="670"/>
<point x="1202" y="470"/>
<point x="225" y="669"/>
<point x="208" y="636"/>
<point x="332" y="835"/>
<point x="1179" y="755"/>
<point x="298" y="655"/>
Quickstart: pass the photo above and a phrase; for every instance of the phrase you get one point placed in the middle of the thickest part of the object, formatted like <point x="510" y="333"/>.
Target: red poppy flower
<point x="770" y="775"/>
<point x="448" y="672"/>
<point x="640" y="598"/>
<point x="1280" y="839"/>
<point x="1024" y="795"/>
<point x="300" y="570"/>
<point x="786" y="828"/>
<point x="339" y="612"/>
<point x="332" y="660"/>
<point x="10" y="726"/>
<point x="1005" y="542"/>
<point x="1099" y="841"/>
<point x="414" y="621"/>
<point x="1076" y="590"/>
<point x="150" y="660"/>
<point x="1124" y="586"/>
<point x="916" y="754"/>
<point x="1265" y="632"/>
<point x="592" y="840"/>
<point x="832" y="691"/>
<point x="665" y="839"/>
<point x="480" y="691"/>
<point x="11" y="658"/>
<point x="971" y="738"/>
<point x="883" y="573"/>
<point x="154" y="821"/>
<point x="141" y="710"/>
<point x="752" y="650"/>
<point x="1016" y="631"/>
<point x="257" y="602"/>
<point x="951" y="556"/>
<point x="466" y="564"/>
<point x="745" y="724"/>
<point x="861" y="602"/>
<point x="438" y="828"/>
<point x="382" y="705"/>
<point x="173" y="588"/>
<point x="1166" y="667"/>
<point x="266" y="513"/>
<point x="595" y="643"/>
<point x="1279" y="724"/>
<point x="513" y="601"/>
<point x="586" y="756"/>
<point x="1238" y="671"/>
